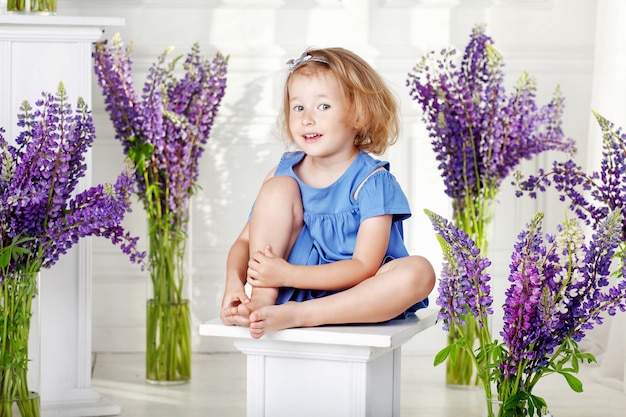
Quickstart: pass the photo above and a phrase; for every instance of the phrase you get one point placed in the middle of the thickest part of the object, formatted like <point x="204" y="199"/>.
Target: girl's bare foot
<point x="236" y="316"/>
<point x="239" y="315"/>
<point x="274" y="317"/>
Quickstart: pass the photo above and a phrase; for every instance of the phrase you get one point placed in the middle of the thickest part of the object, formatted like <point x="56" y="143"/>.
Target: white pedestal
<point x="351" y="371"/>
<point x="36" y="53"/>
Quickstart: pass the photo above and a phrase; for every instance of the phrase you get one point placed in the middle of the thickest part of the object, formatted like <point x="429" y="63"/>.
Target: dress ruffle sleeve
<point x="381" y="194"/>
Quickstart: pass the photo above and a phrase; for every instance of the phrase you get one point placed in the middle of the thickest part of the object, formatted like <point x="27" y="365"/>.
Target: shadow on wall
<point x="237" y="158"/>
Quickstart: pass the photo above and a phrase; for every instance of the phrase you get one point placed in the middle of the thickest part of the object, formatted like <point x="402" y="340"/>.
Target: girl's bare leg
<point x="398" y="285"/>
<point x="276" y="220"/>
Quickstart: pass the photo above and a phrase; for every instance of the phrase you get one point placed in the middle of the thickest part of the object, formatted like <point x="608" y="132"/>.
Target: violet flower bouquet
<point x="559" y="290"/>
<point x="42" y="217"/>
<point x="164" y="131"/>
<point x="480" y="134"/>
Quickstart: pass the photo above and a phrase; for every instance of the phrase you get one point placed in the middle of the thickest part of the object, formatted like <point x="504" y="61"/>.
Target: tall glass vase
<point x="168" y="312"/>
<point x="474" y="218"/>
<point x="19" y="345"/>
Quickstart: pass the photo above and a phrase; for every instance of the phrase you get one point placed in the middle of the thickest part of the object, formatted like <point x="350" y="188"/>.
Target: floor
<point x="218" y="388"/>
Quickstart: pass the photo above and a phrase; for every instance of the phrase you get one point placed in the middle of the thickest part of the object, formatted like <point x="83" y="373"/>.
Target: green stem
<point x="168" y="353"/>
<point x="18" y="291"/>
<point x="16" y="5"/>
<point x="168" y="324"/>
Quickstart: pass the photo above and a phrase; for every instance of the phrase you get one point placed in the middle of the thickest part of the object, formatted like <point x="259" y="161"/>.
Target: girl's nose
<point x="306" y="119"/>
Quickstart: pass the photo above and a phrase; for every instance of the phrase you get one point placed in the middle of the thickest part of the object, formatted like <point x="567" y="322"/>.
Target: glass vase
<point x="168" y="312"/>
<point x="19" y="345"/>
<point x="474" y="217"/>
<point x="493" y="407"/>
<point x="462" y="373"/>
<point x="168" y="343"/>
<point x="21" y="407"/>
<point x="32" y="6"/>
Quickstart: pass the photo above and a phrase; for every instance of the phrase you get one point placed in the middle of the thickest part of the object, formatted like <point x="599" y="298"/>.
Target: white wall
<point x="552" y="39"/>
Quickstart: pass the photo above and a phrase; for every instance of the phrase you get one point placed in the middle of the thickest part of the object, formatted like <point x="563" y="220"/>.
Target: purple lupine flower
<point x="592" y="197"/>
<point x="479" y="134"/>
<point x="42" y="216"/>
<point x="165" y="130"/>
<point x="525" y="310"/>
<point x="113" y="68"/>
<point x="464" y="284"/>
<point x="557" y="293"/>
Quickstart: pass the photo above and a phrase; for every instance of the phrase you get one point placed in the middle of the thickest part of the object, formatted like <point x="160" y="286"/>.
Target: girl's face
<point x="318" y="115"/>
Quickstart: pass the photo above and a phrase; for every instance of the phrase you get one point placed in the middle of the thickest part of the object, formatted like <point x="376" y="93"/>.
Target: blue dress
<point x="332" y="217"/>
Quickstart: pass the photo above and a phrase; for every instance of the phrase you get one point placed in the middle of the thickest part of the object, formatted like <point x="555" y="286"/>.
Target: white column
<point x="354" y="369"/>
<point x="36" y="53"/>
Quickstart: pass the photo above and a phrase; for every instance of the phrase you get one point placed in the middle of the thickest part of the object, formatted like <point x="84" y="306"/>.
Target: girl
<point x="324" y="242"/>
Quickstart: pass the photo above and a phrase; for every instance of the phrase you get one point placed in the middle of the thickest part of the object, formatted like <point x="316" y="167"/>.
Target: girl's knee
<point x="425" y="272"/>
<point x="279" y="200"/>
<point x="281" y="193"/>
<point x="281" y="187"/>
<point x="416" y="270"/>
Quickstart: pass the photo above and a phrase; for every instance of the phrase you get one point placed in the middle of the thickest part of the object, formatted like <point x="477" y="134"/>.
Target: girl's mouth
<point x="310" y="137"/>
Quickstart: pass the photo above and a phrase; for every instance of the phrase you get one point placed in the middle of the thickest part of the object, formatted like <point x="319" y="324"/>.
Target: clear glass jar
<point x="32" y="6"/>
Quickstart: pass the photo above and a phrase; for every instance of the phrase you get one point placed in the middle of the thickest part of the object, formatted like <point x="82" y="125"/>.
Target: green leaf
<point x="139" y="153"/>
<point x="14" y="250"/>
<point x="573" y="382"/>
<point x="535" y="403"/>
<point x="5" y="257"/>
<point x="444" y="353"/>
<point x="586" y="357"/>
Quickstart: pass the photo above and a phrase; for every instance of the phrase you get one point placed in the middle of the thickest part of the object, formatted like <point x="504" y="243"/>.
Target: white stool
<point x="345" y="371"/>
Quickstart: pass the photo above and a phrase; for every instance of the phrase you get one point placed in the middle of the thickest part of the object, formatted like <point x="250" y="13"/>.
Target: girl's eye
<point x="324" y="106"/>
<point x="298" y="108"/>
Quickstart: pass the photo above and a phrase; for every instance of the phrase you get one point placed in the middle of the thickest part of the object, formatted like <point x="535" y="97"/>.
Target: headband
<point x="295" y="63"/>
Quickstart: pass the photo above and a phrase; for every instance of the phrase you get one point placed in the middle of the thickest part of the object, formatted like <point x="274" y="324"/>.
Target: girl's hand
<point x="267" y="270"/>
<point x="233" y="307"/>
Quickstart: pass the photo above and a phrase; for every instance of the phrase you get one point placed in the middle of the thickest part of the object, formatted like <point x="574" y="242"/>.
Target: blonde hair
<point x="373" y="107"/>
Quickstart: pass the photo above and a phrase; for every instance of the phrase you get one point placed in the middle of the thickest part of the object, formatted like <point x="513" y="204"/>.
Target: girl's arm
<point x="268" y="270"/>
